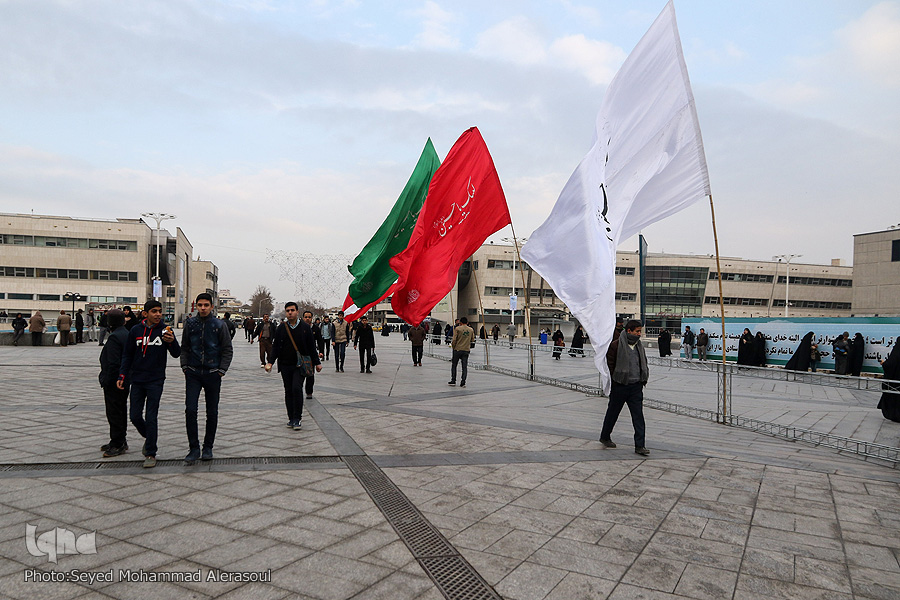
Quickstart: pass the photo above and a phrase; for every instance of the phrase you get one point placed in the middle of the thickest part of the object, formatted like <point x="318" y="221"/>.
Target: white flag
<point x="646" y="163"/>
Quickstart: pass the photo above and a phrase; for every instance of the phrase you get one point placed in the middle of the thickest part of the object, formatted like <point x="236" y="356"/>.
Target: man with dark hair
<point x="629" y="371"/>
<point x="144" y="358"/>
<point x="265" y="331"/>
<point x="293" y="341"/>
<point x="226" y="318"/>
<point x="317" y="336"/>
<point x="79" y="327"/>
<point x="417" y="335"/>
<point x="115" y="398"/>
<point x="365" y="340"/>
<point x="702" y="344"/>
<point x="250" y="328"/>
<point x="687" y="341"/>
<point x="18" y="324"/>
<point x="340" y="337"/>
<point x="461" y="345"/>
<point x="205" y="358"/>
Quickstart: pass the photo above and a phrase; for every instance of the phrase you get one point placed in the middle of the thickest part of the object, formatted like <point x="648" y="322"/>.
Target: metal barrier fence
<point x="575" y="370"/>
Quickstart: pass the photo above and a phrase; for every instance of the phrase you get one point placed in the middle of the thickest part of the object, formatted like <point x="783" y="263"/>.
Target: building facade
<point x="204" y="278"/>
<point x="47" y="262"/>
<point x="876" y="273"/>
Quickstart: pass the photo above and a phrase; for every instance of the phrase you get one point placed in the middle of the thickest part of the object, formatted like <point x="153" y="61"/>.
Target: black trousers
<point x="620" y="395"/>
<point x="293" y="392"/>
<point x="36" y="338"/>
<point x="365" y="358"/>
<point x="417" y="354"/>
<point x="79" y="335"/>
<point x="310" y="382"/>
<point x="116" y="413"/>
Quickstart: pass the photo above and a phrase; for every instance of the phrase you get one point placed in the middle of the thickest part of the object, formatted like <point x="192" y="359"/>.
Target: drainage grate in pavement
<point x="453" y="576"/>
<point x="131" y="464"/>
<point x="457" y="579"/>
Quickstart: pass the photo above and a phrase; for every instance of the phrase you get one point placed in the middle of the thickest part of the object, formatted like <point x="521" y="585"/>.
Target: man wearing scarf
<point x="628" y="367"/>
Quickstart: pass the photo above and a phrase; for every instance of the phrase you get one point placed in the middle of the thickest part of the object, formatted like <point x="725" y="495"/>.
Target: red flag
<point x="465" y="204"/>
<point x="353" y="312"/>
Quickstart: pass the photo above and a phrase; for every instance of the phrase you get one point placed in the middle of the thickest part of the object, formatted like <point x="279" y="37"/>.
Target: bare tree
<point x="262" y="301"/>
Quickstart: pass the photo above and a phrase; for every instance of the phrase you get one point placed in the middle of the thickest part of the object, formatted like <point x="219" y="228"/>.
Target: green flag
<point x="372" y="274"/>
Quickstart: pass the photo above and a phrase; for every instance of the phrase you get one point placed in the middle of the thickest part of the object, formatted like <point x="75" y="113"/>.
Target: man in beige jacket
<point x="64" y="325"/>
<point x="461" y="345"/>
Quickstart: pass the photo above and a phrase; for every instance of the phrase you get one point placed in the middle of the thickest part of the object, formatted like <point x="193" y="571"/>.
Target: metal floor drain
<point x="132" y="464"/>
<point x="454" y="577"/>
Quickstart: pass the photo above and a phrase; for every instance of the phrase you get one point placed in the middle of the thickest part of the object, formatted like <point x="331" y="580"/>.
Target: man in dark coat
<point x="364" y="341"/>
<point x="79" y="327"/>
<point x="857" y="354"/>
<point x="18" y="324"/>
<point x="629" y="371"/>
<point x="292" y="371"/>
<point x="890" y="397"/>
<point x="800" y="360"/>
<point x="115" y="398"/>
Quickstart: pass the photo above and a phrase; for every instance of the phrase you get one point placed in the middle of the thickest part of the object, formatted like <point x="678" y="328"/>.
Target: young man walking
<point x="144" y="358"/>
<point x="461" y="345"/>
<point x="325" y="347"/>
<point x="628" y="367"/>
<point x="206" y="353"/>
<point x="417" y="337"/>
<point x="365" y="340"/>
<point x="311" y="379"/>
<point x="294" y="341"/>
<point x="265" y="331"/>
<point x="340" y="338"/>
<point x="115" y="398"/>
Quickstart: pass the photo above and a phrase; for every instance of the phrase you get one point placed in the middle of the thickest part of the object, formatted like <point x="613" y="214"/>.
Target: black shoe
<point x="290" y="424"/>
<point x="192" y="456"/>
<point x="114" y="451"/>
<point x="463" y="384"/>
<point x="309" y="396"/>
<point x="607" y="443"/>
<point x="451" y="383"/>
<point x="369" y="371"/>
<point x="206" y="454"/>
<point x="362" y="370"/>
<point x="298" y="425"/>
<point x="642" y="451"/>
<point x="342" y="369"/>
<point x="105" y="447"/>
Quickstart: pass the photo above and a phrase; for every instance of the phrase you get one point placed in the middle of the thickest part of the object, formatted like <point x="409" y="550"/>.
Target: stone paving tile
<point x="714" y="512"/>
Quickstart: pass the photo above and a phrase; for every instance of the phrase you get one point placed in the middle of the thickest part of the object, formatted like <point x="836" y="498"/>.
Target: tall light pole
<point x="159" y="218"/>
<point x="787" y="258"/>
<point x="516" y="241"/>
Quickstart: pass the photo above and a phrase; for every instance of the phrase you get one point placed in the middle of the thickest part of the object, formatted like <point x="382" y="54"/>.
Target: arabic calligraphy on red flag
<point x="465" y="204"/>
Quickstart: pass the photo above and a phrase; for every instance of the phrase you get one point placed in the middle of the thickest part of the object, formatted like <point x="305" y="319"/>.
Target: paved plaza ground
<point x="400" y="487"/>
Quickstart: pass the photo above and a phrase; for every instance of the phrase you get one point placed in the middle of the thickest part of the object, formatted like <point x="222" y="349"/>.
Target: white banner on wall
<point x="784" y="335"/>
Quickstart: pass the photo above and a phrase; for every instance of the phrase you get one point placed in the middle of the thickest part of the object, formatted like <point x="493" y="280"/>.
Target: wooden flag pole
<point x="712" y="210"/>
<point x="487" y="356"/>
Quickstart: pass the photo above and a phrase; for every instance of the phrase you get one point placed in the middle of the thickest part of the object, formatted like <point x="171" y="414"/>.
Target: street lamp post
<point x="787" y="258"/>
<point x="516" y="242"/>
<point x="159" y="218"/>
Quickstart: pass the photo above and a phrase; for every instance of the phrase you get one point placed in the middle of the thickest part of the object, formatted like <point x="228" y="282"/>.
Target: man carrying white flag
<point x="646" y="163"/>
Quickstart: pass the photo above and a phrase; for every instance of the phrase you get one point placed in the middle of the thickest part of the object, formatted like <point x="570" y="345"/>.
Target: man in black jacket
<point x="206" y="354"/>
<point x="364" y="338"/>
<point x="293" y="340"/>
<point x="320" y="344"/>
<point x="116" y="398"/>
<point x="265" y="331"/>
<point x="18" y="324"/>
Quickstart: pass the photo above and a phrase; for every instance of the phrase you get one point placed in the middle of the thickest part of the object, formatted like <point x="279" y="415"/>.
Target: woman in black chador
<point x="857" y="354"/>
<point x="759" y="349"/>
<point x="800" y="360"/>
<point x="665" y="343"/>
<point x="746" y="352"/>
<point x="577" y="343"/>
<point x="890" y="403"/>
<point x="559" y="340"/>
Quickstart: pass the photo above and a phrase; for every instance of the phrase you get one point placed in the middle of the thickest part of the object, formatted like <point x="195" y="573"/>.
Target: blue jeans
<point x="620" y="395"/>
<point x="459" y="356"/>
<point x="149" y="393"/>
<point x="340" y="352"/>
<point x="211" y="384"/>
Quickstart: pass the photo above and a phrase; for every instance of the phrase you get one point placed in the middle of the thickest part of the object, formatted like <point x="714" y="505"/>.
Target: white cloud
<point x="516" y="40"/>
<point x="436" y="28"/>
<point x="873" y="42"/>
<point x="597" y="60"/>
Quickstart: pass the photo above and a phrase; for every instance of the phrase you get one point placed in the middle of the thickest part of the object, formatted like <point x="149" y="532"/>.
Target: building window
<point x="45" y="241"/>
<point x="737" y="301"/>
<point x="626" y="297"/>
<point x="758" y="277"/>
<point x="50" y="297"/>
<point x="818" y="281"/>
<point x="2" y="296"/>
<point x="627" y="271"/>
<point x="895" y="251"/>
<point x="814" y="304"/>
<point x="675" y="290"/>
<point x="14" y="296"/>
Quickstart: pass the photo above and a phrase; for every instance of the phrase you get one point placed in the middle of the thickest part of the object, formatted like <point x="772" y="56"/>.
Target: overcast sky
<point x="294" y="125"/>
